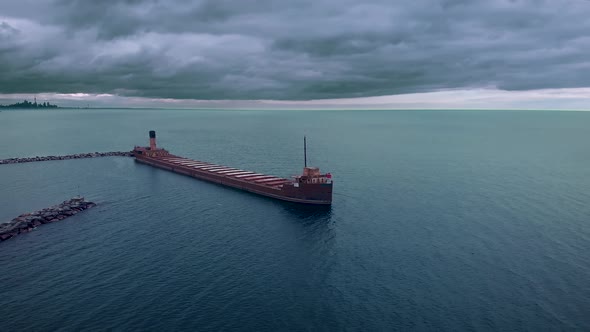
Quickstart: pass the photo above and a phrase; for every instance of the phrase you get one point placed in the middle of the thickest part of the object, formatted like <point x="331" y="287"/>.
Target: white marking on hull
<point x="260" y="177"/>
<point x="230" y="171"/>
<point x="203" y="167"/>
<point x="225" y="170"/>
<point x="208" y="167"/>
<point x="199" y="166"/>
<point x="253" y="176"/>
<point x="246" y="175"/>
<point x="236" y="173"/>
<point x="217" y="169"/>
<point x="194" y="163"/>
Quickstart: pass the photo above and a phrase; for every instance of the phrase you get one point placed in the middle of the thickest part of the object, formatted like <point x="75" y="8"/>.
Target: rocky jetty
<point x="29" y="221"/>
<point x="71" y="156"/>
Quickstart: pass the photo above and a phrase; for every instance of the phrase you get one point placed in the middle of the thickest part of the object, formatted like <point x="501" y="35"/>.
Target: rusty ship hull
<point x="309" y="188"/>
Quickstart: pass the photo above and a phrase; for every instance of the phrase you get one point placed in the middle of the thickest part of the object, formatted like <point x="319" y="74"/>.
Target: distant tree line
<point x="28" y="104"/>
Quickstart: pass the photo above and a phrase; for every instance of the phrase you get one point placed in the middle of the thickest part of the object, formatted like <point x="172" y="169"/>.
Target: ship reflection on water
<point x="308" y="214"/>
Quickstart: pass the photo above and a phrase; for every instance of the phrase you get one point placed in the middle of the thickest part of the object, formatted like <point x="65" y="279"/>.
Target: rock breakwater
<point x="29" y="221"/>
<point x="66" y="157"/>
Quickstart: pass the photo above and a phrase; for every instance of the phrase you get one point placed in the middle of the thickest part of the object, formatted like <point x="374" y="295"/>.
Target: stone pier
<point x="66" y="157"/>
<point x="29" y="221"/>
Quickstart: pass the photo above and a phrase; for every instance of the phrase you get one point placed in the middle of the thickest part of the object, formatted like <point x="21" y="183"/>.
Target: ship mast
<point x="304" y="151"/>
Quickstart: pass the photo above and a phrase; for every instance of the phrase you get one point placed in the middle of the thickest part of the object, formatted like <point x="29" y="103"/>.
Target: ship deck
<point x="270" y="181"/>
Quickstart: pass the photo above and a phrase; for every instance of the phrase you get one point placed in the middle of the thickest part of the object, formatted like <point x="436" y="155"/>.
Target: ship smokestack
<point x="152" y="139"/>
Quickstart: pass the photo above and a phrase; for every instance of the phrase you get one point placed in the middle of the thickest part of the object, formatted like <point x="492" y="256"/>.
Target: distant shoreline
<point x="9" y="107"/>
<point x="30" y="105"/>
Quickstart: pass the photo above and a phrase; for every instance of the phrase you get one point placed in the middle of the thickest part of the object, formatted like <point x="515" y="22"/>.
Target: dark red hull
<point x="319" y="192"/>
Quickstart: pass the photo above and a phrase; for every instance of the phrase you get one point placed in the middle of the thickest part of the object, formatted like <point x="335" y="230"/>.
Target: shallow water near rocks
<point x="442" y="220"/>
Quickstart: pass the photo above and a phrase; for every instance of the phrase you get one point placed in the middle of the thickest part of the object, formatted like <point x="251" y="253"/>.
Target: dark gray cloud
<point x="300" y="49"/>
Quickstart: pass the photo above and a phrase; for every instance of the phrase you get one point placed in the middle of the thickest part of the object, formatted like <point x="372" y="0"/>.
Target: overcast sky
<point x="217" y="53"/>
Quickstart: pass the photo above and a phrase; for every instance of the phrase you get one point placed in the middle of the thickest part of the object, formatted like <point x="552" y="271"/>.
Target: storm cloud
<point x="291" y="50"/>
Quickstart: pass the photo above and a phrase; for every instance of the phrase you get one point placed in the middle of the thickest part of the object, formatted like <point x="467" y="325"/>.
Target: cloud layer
<point x="295" y="50"/>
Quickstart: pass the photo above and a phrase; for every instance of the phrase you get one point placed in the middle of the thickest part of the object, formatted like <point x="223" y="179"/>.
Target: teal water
<point x="442" y="220"/>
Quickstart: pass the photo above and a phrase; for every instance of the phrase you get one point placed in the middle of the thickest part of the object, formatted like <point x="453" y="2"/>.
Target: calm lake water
<point x="442" y="220"/>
